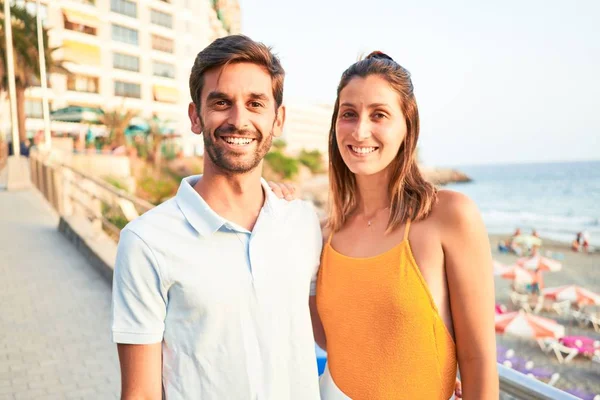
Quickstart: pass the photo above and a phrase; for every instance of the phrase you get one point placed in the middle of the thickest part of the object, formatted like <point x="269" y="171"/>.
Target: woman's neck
<point x="372" y="193"/>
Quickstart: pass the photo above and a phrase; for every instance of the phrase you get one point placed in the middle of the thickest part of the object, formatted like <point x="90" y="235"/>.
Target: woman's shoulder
<point x="454" y="208"/>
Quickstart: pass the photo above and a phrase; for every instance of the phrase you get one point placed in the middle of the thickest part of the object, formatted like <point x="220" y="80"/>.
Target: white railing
<point x="70" y="192"/>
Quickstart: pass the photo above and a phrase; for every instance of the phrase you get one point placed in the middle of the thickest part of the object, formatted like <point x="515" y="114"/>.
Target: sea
<point x="556" y="199"/>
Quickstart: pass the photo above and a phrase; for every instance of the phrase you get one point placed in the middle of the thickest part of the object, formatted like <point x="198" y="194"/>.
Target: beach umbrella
<point x="527" y="240"/>
<point x="515" y="273"/>
<point x="539" y="262"/>
<point x="573" y="293"/>
<point x="526" y="325"/>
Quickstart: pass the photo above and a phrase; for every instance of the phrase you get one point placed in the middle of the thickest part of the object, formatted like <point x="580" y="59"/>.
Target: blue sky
<point x="509" y="81"/>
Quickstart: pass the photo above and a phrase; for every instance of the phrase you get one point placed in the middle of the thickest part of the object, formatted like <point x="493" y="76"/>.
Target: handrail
<point x="524" y="387"/>
<point x="142" y="204"/>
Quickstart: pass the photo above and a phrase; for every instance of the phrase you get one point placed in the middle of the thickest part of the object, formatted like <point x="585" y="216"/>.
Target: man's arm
<point x="141" y="371"/>
<point x="139" y="311"/>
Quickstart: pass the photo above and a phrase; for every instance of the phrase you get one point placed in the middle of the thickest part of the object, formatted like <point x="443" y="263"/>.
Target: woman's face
<point x="370" y="126"/>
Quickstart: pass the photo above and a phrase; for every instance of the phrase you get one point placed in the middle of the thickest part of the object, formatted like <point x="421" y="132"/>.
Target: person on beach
<point x="405" y="288"/>
<point x="211" y="288"/>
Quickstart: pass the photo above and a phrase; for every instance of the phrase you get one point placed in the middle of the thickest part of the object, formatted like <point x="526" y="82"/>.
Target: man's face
<point x="238" y="116"/>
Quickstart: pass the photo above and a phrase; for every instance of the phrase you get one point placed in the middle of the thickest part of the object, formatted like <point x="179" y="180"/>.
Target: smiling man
<point x="211" y="288"/>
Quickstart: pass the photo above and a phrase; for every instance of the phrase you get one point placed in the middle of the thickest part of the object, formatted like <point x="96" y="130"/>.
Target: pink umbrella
<point x="522" y="324"/>
<point x="573" y="293"/>
<point x="516" y="273"/>
<point x="539" y="262"/>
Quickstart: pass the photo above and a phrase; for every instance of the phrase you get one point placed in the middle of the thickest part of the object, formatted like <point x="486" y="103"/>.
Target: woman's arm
<point x="468" y="265"/>
<point x="317" y="326"/>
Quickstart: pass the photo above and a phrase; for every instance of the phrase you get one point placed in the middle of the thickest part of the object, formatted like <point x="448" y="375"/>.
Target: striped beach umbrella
<point x="573" y="293"/>
<point x="539" y="262"/>
<point x="515" y="273"/>
<point x="525" y="325"/>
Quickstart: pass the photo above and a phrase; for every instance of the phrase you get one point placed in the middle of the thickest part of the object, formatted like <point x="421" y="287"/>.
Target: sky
<point x="496" y="82"/>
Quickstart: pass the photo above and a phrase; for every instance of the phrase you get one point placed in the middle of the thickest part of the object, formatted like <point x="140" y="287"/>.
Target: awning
<point x="166" y="94"/>
<point x="81" y="53"/>
<point x="77" y="17"/>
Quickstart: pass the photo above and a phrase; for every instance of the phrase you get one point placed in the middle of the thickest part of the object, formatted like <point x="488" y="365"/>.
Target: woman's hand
<point x="283" y="190"/>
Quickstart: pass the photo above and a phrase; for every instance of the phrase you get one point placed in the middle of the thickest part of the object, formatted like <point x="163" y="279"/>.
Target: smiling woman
<point x="399" y="257"/>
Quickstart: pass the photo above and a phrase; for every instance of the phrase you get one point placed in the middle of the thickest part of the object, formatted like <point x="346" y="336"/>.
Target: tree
<point x="117" y="122"/>
<point x="26" y="57"/>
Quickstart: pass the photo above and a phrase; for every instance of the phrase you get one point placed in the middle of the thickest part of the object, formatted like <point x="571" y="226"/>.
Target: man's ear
<point x="279" y="121"/>
<point x="195" y="119"/>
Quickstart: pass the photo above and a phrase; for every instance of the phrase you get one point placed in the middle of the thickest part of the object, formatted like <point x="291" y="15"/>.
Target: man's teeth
<point x="237" y="141"/>
<point x="363" y="150"/>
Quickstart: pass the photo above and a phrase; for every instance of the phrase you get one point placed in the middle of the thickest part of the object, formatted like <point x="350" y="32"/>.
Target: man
<point x="210" y="288"/>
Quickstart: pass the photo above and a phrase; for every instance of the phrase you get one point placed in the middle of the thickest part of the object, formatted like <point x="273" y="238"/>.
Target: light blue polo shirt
<point x="229" y="306"/>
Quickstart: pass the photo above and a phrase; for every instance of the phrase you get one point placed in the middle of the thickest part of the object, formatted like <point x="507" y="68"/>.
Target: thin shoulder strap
<point x="406" y="229"/>
<point x="329" y="239"/>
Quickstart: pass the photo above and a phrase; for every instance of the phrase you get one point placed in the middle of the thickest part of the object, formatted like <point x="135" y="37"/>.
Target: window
<point x="82" y="83"/>
<point x="163" y="69"/>
<point x="127" y="62"/>
<point x="162" y="44"/>
<point x="127" y="89"/>
<point x="124" y="7"/>
<point x="125" y="35"/>
<point x="161" y="18"/>
<point x="77" y="27"/>
<point x="33" y="109"/>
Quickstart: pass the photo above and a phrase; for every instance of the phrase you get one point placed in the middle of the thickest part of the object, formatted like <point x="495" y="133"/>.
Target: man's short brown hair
<point x="236" y="49"/>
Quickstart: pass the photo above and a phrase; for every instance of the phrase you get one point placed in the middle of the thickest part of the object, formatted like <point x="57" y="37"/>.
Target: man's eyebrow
<point x="216" y="96"/>
<point x="259" y="96"/>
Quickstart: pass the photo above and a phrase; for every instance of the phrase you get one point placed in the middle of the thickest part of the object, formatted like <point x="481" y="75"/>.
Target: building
<point x="134" y="54"/>
<point x="307" y="126"/>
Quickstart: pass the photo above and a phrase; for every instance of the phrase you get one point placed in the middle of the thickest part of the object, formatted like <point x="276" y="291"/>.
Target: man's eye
<point x="255" y="104"/>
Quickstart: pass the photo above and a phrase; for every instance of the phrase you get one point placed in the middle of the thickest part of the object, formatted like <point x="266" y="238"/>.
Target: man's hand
<point x="284" y="190"/>
<point x="458" y="389"/>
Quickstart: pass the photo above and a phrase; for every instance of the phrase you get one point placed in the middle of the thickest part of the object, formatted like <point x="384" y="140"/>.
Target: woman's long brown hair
<point x="412" y="197"/>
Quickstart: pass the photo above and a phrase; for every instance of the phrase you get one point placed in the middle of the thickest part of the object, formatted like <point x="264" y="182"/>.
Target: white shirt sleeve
<point x="317" y="241"/>
<point x="139" y="295"/>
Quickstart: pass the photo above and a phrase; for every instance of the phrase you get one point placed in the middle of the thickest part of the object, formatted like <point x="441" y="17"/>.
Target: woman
<point x="405" y="289"/>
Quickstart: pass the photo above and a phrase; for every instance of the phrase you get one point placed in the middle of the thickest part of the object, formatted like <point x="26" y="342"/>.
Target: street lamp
<point x="10" y="68"/>
<point x="42" y="54"/>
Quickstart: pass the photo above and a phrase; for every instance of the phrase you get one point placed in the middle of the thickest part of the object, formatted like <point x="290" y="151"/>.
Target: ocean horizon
<point x="558" y="199"/>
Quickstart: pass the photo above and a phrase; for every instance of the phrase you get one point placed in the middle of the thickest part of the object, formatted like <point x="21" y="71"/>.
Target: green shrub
<point x="279" y="144"/>
<point x="282" y="164"/>
<point x="157" y="190"/>
<point x="116" y="182"/>
<point x="312" y="159"/>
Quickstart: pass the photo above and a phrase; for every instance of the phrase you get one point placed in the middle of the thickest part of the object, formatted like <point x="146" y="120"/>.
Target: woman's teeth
<point x="238" y="141"/>
<point x="363" y="150"/>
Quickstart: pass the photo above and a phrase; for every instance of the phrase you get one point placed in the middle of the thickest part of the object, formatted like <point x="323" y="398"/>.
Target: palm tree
<point x="157" y="137"/>
<point x="117" y="122"/>
<point x="26" y="57"/>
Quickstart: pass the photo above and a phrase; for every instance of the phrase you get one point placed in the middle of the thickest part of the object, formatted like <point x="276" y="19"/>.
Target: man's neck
<point x="237" y="198"/>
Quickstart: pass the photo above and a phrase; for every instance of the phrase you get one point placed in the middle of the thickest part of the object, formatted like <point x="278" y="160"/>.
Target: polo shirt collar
<point x="199" y="214"/>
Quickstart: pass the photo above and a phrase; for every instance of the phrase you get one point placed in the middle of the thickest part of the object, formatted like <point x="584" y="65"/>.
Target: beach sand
<point x="579" y="269"/>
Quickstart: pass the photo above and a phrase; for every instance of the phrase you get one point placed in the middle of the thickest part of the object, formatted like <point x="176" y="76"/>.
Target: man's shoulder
<point x="159" y="219"/>
<point x="303" y="210"/>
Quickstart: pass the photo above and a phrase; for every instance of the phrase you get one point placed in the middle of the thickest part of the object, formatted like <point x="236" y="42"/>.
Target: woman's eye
<point x="347" y="114"/>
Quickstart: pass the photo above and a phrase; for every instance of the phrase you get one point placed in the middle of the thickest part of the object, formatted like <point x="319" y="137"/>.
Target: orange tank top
<point x="385" y="337"/>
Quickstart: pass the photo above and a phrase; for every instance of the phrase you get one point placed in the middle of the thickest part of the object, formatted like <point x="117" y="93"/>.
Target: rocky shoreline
<point x="315" y="188"/>
<point x="444" y="176"/>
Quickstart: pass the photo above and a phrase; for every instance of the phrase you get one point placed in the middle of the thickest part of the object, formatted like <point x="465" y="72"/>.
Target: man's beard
<point x="227" y="160"/>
